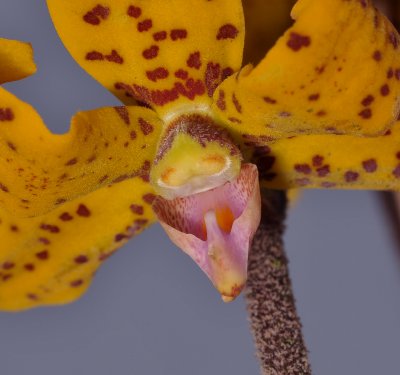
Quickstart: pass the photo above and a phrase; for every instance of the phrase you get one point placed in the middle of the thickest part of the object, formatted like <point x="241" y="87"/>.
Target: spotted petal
<point x="331" y="161"/>
<point x="52" y="259"/>
<point x="162" y="53"/>
<point x="16" y="60"/>
<point x="40" y="170"/>
<point x="335" y="70"/>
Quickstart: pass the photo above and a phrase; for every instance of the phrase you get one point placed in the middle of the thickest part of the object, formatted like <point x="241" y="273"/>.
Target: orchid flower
<point x="197" y="134"/>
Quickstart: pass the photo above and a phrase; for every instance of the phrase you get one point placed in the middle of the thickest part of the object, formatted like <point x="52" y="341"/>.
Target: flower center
<point x="194" y="155"/>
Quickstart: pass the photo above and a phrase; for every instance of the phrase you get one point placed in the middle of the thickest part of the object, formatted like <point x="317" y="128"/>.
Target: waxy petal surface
<point x="336" y="70"/>
<point x="215" y="228"/>
<point x="52" y="259"/>
<point x="331" y="161"/>
<point x="16" y="60"/>
<point x="163" y="53"/>
<point x="40" y="170"/>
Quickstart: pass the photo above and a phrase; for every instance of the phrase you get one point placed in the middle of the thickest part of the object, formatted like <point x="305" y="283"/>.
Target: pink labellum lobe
<point x="215" y="228"/>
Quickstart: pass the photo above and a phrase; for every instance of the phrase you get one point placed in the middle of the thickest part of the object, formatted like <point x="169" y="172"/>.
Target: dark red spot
<point x="226" y="72"/>
<point x="114" y="57"/>
<point x="42" y="255"/>
<point x="390" y="73"/>
<point x="8" y="265"/>
<point x="29" y="267"/>
<point x="80" y="259"/>
<point x="137" y="209"/>
<point x="227" y="31"/>
<point x="71" y="162"/>
<point x="97" y="14"/>
<point x="377" y="56"/>
<point x="193" y="60"/>
<point x="145" y="127"/>
<point x="11" y="146"/>
<point x="50" y="228"/>
<point x="221" y="100"/>
<point x="398" y="155"/>
<point x="182" y="74"/>
<point x="32" y="296"/>
<point x="385" y="90"/>
<point x="297" y="41"/>
<point x="178" y="34"/>
<point x="160" y="35"/>
<point x="366" y="113"/>
<point x="236" y="103"/>
<point x="149" y="198"/>
<point x="65" y="217"/>
<point x="321" y="113"/>
<point x="302" y="168"/>
<point x="351" y="176"/>
<point x="76" y="283"/>
<point x="235" y="120"/>
<point x="212" y="77"/>
<point x="119" y="237"/>
<point x="396" y="171"/>
<point x="103" y="178"/>
<point x="141" y="222"/>
<point x="323" y="171"/>
<point x="151" y="52"/>
<point x="313" y="97"/>
<point x="94" y="55"/>
<point x="134" y="12"/>
<point x="4" y="188"/>
<point x="132" y="135"/>
<point x="370" y="165"/>
<point x="393" y="40"/>
<point x="158" y="73"/>
<point x="269" y="100"/>
<point x="145" y="25"/>
<point x="317" y="160"/>
<point x="367" y="100"/>
<point x="397" y="74"/>
<point x="83" y="211"/>
<point x="6" y="114"/>
<point x="44" y="240"/>
<point x="123" y="113"/>
<point x="14" y="228"/>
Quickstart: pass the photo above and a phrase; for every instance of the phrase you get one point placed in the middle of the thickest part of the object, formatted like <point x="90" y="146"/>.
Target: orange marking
<point x="225" y="218"/>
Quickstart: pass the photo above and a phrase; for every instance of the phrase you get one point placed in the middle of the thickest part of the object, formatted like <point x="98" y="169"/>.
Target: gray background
<point x="151" y="311"/>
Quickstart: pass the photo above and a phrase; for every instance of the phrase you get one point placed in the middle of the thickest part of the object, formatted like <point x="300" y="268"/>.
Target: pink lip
<point x="215" y="228"/>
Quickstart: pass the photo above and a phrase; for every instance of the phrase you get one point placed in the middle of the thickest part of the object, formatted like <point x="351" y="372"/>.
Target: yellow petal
<point x="16" y="60"/>
<point x="332" y="161"/>
<point x="266" y="21"/>
<point x="163" y="53"/>
<point x="336" y="70"/>
<point x="52" y="259"/>
<point x="40" y="170"/>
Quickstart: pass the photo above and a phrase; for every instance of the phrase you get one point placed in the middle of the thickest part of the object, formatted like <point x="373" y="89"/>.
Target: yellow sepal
<point x="16" y="60"/>
<point x="336" y="70"/>
<point x="52" y="259"/>
<point x="163" y="53"/>
<point x="332" y="161"/>
<point x="40" y="170"/>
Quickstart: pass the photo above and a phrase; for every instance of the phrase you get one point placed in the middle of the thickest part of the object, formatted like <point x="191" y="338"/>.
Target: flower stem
<point x="274" y="322"/>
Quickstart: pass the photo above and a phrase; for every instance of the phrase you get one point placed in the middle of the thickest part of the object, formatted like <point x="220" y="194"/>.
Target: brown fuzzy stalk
<point x="275" y="324"/>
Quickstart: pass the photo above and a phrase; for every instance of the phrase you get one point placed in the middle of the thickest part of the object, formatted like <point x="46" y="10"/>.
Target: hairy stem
<point x="275" y="324"/>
